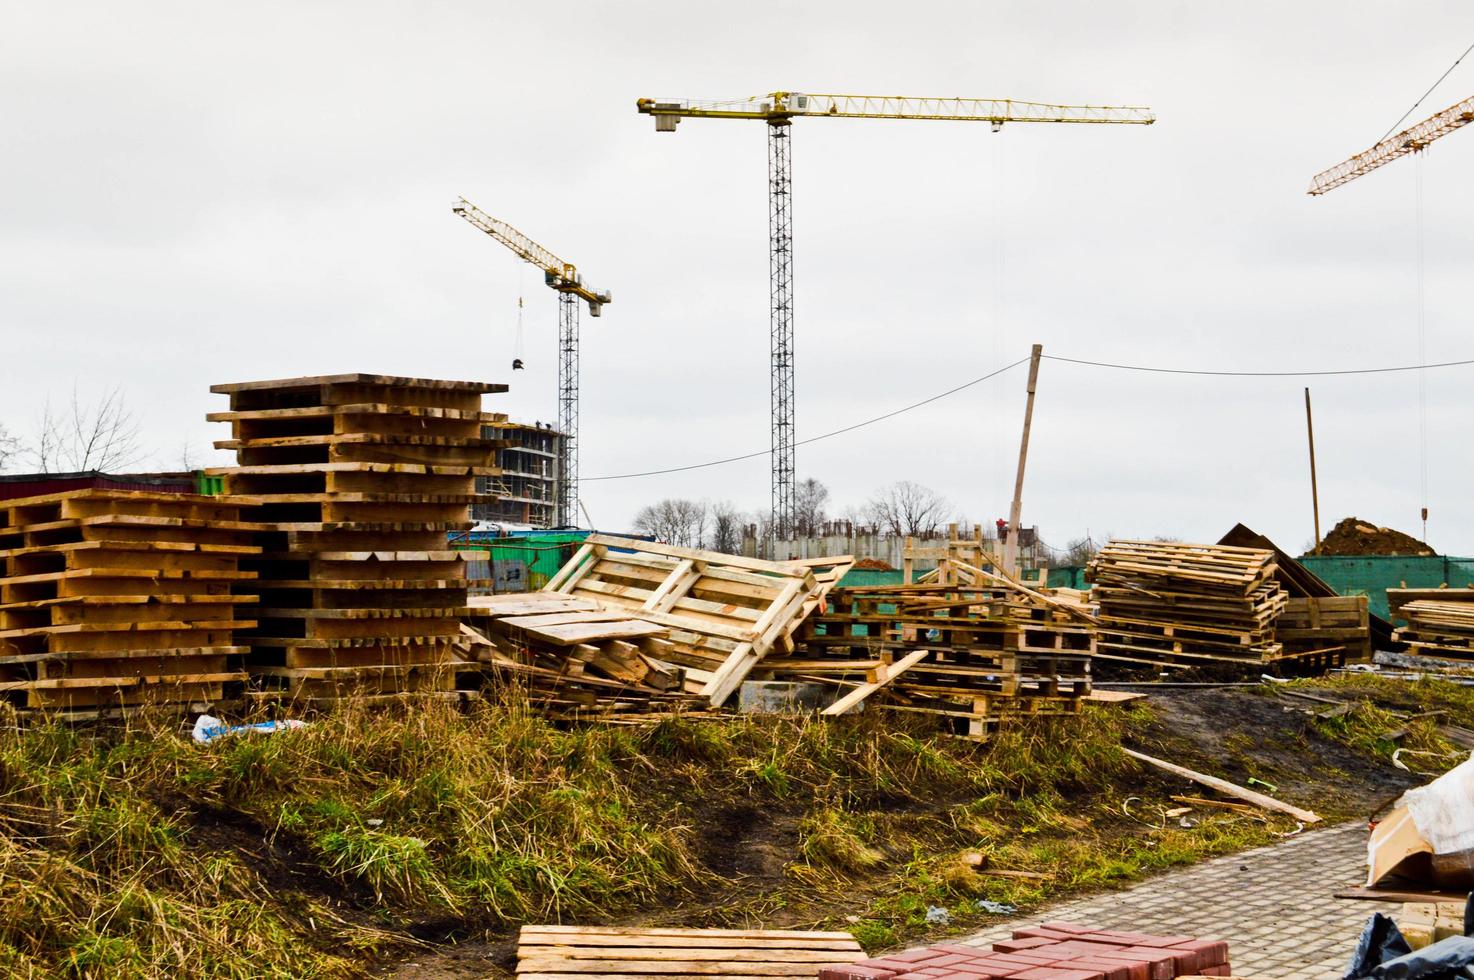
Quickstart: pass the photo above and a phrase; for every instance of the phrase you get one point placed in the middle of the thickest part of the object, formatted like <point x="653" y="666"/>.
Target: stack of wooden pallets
<point x="1321" y="632"/>
<point x="975" y="655"/>
<point x="723" y="613"/>
<point x="360" y="478"/>
<point x="1438" y="629"/>
<point x="1173" y="604"/>
<point x="574" y="659"/>
<point x="114" y="599"/>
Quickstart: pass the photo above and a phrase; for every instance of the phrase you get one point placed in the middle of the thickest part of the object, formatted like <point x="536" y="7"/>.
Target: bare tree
<point x="727" y="523"/>
<point x="9" y="447"/>
<point x="674" y="521"/>
<point x="908" y="508"/>
<point x="1079" y="552"/>
<point x="810" y="497"/>
<point x="82" y="437"/>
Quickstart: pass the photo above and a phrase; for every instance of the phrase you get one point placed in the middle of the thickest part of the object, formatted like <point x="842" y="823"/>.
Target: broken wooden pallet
<point x="724" y="613"/>
<point x="566" y="952"/>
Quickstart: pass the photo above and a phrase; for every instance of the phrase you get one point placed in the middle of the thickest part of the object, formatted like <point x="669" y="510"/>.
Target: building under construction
<point x="527" y="489"/>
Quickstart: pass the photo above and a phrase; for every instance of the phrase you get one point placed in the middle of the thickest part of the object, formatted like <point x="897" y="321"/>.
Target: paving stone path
<point x="1273" y="905"/>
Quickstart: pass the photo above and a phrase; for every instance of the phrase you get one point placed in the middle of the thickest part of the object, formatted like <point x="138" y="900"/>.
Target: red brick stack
<point x="1052" y="951"/>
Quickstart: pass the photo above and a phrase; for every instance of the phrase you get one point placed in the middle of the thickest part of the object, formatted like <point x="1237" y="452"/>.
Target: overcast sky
<point x="194" y="193"/>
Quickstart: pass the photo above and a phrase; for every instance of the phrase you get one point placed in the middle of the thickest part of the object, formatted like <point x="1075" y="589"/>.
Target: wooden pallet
<point x="1438" y="628"/>
<point x="1317" y="623"/>
<point x="360" y="478"/>
<point x="618" y="953"/>
<point x="724" y="613"/>
<point x="113" y="600"/>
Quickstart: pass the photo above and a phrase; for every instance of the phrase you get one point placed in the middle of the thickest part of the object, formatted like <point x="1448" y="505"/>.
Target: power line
<point x="812" y="439"/>
<point x="1257" y="374"/>
<point x="1430" y="91"/>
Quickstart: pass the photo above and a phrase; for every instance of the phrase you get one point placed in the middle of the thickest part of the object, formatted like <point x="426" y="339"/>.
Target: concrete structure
<point x="528" y="484"/>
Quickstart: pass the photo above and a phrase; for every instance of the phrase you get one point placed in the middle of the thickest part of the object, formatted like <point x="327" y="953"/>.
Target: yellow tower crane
<point x="778" y="110"/>
<point x="1411" y="140"/>
<point x="563" y="277"/>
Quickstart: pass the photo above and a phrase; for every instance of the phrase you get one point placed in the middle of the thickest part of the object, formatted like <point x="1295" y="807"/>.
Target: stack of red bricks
<point x="1052" y="951"/>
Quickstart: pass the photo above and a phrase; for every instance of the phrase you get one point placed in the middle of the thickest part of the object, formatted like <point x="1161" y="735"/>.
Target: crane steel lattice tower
<point x="1414" y="139"/>
<point x="778" y="110"/>
<point x="563" y="277"/>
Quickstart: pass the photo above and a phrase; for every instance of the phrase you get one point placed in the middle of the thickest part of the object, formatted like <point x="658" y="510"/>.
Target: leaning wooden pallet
<point x="724" y="613"/>
<point x="360" y="479"/>
<point x="110" y="600"/>
<point x="622" y="953"/>
<point x="1169" y="603"/>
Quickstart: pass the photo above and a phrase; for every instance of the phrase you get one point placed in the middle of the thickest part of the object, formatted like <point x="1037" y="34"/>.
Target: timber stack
<point x="360" y="478"/>
<point x="971" y="647"/>
<point x="113" y="600"/>
<point x="1438" y="628"/>
<point x="574" y="660"/>
<point x="1174" y="604"/>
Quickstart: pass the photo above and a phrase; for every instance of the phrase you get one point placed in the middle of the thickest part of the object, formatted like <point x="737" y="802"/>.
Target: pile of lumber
<point x="1173" y="604"/>
<point x="360" y="477"/>
<point x="574" y="660"/>
<point x="723" y="614"/>
<point x="548" y="952"/>
<point x="110" y="600"/>
<point x="1438" y="628"/>
<point x="973" y="648"/>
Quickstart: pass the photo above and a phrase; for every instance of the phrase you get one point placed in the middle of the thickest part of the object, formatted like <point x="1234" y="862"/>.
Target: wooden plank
<point x="563" y="930"/>
<point x="572" y="634"/>
<point x="887" y="674"/>
<point x="695" y="968"/>
<point x="1226" y="787"/>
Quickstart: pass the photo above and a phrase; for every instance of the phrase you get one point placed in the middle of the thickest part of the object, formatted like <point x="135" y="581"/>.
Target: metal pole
<point x="1015" y="512"/>
<point x="568" y="409"/>
<point x="780" y="233"/>
<point x="1314" y="493"/>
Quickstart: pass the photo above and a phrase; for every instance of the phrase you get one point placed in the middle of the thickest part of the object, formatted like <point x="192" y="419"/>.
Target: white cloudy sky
<point x="193" y="193"/>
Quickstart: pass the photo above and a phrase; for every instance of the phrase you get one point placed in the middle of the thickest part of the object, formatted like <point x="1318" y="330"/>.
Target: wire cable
<point x="1257" y="374"/>
<point x="813" y="439"/>
<point x="1429" y="92"/>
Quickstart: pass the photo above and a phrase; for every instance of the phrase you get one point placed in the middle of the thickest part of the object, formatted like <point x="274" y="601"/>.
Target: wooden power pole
<point x="1015" y="512"/>
<point x="1314" y="494"/>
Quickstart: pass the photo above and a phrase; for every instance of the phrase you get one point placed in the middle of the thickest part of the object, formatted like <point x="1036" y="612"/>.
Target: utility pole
<point x="1015" y="512"/>
<point x="1314" y="494"/>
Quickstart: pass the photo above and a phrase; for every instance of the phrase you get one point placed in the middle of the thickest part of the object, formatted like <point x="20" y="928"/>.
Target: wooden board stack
<point x="723" y="613"/>
<point x="360" y="478"/>
<point x="575" y="660"/>
<point x="975" y="655"/>
<point x="1177" y="604"/>
<point x="1325" y="631"/>
<point x="114" y="599"/>
<point x="1438" y="629"/>
<point x="622" y="953"/>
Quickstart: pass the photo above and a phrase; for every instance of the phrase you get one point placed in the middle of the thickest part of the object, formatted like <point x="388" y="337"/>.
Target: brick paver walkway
<point x="1273" y="905"/>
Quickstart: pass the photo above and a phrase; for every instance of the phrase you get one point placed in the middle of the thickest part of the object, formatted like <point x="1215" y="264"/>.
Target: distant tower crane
<point x="563" y="277"/>
<point x="1410" y="140"/>
<point x="778" y="110"/>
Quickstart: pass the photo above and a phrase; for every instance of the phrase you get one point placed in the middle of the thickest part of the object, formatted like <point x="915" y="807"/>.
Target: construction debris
<point x="1226" y="787"/>
<point x="110" y="600"/>
<point x="574" y="660"/>
<point x="360" y="477"/>
<point x="1173" y="604"/>
<point x="972" y="654"/>
<point x="549" y="952"/>
<point x="723" y="613"/>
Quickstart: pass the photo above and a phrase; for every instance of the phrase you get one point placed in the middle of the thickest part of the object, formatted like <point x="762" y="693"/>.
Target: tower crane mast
<point x="564" y="278"/>
<point x="778" y="110"/>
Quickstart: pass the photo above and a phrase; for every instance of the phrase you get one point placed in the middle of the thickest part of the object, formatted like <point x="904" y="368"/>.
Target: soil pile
<point x="1353" y="537"/>
<point x="873" y="565"/>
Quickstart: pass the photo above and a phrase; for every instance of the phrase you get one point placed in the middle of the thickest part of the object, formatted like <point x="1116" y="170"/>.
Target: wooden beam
<point x="1224" y="786"/>
<point x="886" y="674"/>
<point x="1015" y="512"/>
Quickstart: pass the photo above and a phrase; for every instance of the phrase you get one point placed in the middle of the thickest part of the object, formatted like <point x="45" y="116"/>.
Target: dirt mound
<point x="1357" y="537"/>
<point x="873" y="565"/>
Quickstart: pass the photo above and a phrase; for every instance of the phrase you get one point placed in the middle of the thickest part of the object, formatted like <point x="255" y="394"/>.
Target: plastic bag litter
<point x="1383" y="954"/>
<point x="938" y="916"/>
<point x="207" y="728"/>
<point x="1380" y="941"/>
<point x="996" y="908"/>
